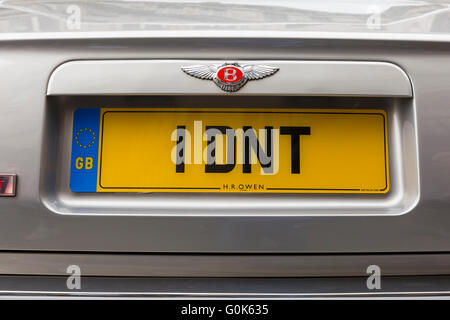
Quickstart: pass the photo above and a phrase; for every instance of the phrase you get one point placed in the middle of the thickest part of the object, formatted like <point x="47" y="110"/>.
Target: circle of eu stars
<point x="85" y="138"/>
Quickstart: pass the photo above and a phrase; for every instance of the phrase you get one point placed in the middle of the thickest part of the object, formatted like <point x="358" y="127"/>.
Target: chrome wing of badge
<point x="229" y="77"/>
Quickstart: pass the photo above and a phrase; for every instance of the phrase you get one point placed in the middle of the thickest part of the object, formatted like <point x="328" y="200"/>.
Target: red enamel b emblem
<point x="229" y="77"/>
<point x="230" y="74"/>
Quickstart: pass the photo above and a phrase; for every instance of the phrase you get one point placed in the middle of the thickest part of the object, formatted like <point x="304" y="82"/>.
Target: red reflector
<point x="7" y="185"/>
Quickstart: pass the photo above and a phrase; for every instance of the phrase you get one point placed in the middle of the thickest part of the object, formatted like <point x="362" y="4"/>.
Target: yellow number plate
<point x="230" y="150"/>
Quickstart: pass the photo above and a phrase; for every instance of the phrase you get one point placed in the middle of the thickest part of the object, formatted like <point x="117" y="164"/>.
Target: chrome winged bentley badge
<point x="229" y="77"/>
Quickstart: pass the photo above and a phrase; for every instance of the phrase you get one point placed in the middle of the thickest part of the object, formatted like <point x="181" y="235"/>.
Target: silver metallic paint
<point x="222" y="265"/>
<point x="27" y="224"/>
